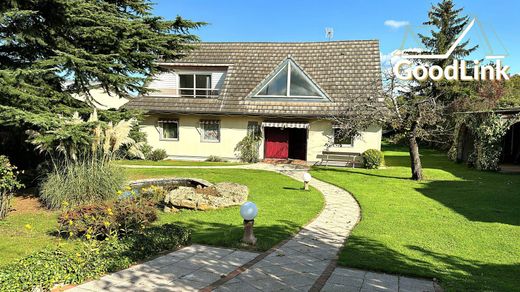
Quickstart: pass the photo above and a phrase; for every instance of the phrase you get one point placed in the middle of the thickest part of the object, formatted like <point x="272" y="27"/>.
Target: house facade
<point x="285" y="92"/>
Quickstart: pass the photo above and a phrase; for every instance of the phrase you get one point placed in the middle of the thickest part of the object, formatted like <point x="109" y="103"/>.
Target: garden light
<point x="306" y="179"/>
<point x="248" y="211"/>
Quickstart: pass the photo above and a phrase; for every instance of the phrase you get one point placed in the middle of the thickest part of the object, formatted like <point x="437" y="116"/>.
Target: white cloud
<point x="396" y="23"/>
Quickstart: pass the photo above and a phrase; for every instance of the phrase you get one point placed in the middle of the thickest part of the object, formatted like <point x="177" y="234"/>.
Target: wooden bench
<point x="338" y="158"/>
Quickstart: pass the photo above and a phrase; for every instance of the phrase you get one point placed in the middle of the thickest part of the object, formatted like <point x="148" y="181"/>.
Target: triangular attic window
<point x="289" y="81"/>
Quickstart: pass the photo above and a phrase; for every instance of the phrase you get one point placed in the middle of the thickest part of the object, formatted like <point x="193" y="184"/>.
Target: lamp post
<point x="248" y="211"/>
<point x="306" y="179"/>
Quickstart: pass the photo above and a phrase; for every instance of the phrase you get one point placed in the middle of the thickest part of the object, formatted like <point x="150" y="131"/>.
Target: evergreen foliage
<point x="52" y="50"/>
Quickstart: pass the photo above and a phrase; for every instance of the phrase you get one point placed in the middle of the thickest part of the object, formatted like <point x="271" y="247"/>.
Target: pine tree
<point x="448" y="24"/>
<point x="53" y="49"/>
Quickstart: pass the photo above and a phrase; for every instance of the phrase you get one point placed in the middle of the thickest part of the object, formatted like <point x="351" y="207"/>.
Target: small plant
<point x="153" y="193"/>
<point x="248" y="148"/>
<point x="99" y="221"/>
<point x="80" y="183"/>
<point x="373" y="158"/>
<point x="157" y="154"/>
<point x="8" y="183"/>
<point x="214" y="158"/>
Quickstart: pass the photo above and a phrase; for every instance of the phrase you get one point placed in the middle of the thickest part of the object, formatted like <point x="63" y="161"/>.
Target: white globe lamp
<point x="306" y="179"/>
<point x="248" y="211"/>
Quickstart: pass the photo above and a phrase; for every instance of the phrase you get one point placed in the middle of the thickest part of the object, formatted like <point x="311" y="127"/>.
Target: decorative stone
<point x="197" y="194"/>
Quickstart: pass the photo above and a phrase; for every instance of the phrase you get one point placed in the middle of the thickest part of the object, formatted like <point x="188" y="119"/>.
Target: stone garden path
<point x="306" y="262"/>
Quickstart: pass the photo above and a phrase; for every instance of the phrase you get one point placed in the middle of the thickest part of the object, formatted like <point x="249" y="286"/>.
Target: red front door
<point x="276" y="143"/>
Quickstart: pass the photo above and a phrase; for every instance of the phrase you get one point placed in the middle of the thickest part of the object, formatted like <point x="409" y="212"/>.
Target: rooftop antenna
<point x="329" y="33"/>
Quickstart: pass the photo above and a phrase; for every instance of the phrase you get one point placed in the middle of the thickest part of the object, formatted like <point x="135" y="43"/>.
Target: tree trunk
<point x="415" y="159"/>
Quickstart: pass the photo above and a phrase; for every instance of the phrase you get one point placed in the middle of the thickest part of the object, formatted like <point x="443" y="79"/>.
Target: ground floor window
<point x="253" y="128"/>
<point x="169" y="129"/>
<point x="210" y="130"/>
<point x="341" y="139"/>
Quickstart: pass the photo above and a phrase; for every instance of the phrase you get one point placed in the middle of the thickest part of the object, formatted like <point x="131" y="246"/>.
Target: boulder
<point x="207" y="198"/>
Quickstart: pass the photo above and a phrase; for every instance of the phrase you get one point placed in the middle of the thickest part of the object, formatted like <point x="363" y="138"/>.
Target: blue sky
<point x="303" y="20"/>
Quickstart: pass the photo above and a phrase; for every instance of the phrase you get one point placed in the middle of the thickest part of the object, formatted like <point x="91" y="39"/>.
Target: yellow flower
<point x="120" y="192"/>
<point x="28" y="226"/>
<point x="89" y="236"/>
<point x="109" y="210"/>
<point x="106" y="223"/>
<point x="64" y="203"/>
<point x="70" y="222"/>
<point x="78" y="254"/>
<point x="128" y="188"/>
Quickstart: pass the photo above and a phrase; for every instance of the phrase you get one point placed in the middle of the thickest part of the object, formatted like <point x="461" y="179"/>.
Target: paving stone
<point x="407" y="284"/>
<point x="295" y="266"/>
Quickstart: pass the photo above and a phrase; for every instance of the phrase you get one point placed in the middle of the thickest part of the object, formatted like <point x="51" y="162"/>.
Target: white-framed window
<point x="253" y="128"/>
<point x="169" y="130"/>
<point x="289" y="81"/>
<point x="196" y="85"/>
<point x="342" y="140"/>
<point x="210" y="131"/>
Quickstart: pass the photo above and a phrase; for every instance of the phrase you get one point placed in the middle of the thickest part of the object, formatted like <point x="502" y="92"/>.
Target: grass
<point x="18" y="241"/>
<point x="175" y="163"/>
<point x="283" y="209"/>
<point x="459" y="225"/>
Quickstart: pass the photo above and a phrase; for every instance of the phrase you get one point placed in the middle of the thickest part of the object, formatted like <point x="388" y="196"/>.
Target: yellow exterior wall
<point x="234" y="128"/>
<point x="189" y="145"/>
<point x="321" y="138"/>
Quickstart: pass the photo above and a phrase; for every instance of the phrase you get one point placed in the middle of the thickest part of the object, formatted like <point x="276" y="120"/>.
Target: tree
<point x="53" y="49"/>
<point x="416" y="111"/>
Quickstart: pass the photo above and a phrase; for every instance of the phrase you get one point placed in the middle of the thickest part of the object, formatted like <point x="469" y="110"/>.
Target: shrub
<point x="247" y="149"/>
<point x="81" y="183"/>
<point x="8" y="182"/>
<point x="50" y="267"/>
<point x="373" y="158"/>
<point x="99" y="221"/>
<point x="157" y="154"/>
<point x="153" y="193"/>
<point x="214" y="158"/>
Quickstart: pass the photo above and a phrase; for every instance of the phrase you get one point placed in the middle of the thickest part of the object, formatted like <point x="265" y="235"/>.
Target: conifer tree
<point x="53" y="49"/>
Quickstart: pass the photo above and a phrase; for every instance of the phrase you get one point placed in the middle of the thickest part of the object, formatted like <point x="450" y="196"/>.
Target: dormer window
<point x="289" y="81"/>
<point x="195" y="85"/>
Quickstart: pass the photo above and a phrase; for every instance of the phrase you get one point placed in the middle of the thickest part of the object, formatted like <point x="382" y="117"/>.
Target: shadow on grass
<point x="478" y="195"/>
<point x="455" y="273"/>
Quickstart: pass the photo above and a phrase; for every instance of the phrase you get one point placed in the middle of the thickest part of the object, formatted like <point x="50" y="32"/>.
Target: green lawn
<point x="459" y="225"/>
<point x="283" y="209"/>
<point x="17" y="241"/>
<point x="174" y="163"/>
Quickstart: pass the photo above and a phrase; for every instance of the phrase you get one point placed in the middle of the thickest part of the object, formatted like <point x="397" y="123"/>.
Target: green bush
<point x="8" y="182"/>
<point x="47" y="268"/>
<point x="247" y="150"/>
<point x="373" y="158"/>
<point x="81" y="183"/>
<point x="99" y="221"/>
<point x="214" y="158"/>
<point x="157" y="154"/>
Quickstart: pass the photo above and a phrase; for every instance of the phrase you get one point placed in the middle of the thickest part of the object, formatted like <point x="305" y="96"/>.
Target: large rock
<point x="207" y="198"/>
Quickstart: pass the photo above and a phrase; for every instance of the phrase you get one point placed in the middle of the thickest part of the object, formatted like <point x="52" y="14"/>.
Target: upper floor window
<point x="195" y="85"/>
<point x="289" y="81"/>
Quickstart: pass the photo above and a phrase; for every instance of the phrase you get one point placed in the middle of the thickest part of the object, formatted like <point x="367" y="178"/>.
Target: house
<point x="220" y="92"/>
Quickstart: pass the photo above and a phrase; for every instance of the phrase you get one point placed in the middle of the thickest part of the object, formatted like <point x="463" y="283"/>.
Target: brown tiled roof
<point x="347" y="71"/>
